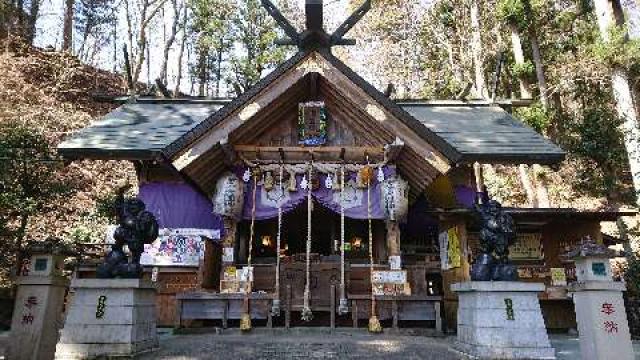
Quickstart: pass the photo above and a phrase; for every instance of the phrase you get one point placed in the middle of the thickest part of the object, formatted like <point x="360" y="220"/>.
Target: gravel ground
<point x="301" y="345"/>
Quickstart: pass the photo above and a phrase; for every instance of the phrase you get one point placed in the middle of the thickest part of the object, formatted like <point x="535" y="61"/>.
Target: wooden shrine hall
<point x="315" y="198"/>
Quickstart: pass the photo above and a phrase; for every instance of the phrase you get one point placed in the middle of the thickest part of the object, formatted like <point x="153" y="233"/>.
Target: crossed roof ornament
<point x="314" y="36"/>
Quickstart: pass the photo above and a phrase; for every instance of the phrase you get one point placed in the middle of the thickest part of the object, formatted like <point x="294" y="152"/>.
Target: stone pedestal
<point x="109" y="318"/>
<point x="37" y="317"/>
<point x="602" y="320"/>
<point x="501" y="320"/>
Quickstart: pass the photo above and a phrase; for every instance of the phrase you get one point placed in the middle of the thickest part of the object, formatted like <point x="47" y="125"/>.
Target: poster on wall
<point x="443" y="238"/>
<point x="558" y="277"/>
<point x="528" y="246"/>
<point x="177" y="247"/>
<point x="450" y="252"/>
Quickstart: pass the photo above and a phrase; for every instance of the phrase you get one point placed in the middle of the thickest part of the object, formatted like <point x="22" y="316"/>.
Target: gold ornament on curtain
<point x="293" y="184"/>
<point x="268" y="181"/>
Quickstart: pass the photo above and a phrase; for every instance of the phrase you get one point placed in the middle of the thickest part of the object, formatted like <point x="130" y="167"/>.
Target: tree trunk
<point x="202" y="71"/>
<point x="20" y="234"/>
<point x="67" y="31"/>
<point x="527" y="185"/>
<point x="34" y="12"/>
<point x="476" y="49"/>
<point x="219" y="70"/>
<point x="518" y="55"/>
<point x="170" y="40"/>
<point x="623" y="95"/>
<point x="540" y="186"/>
<point x="183" y="42"/>
<point x="537" y="56"/>
<point x="537" y="61"/>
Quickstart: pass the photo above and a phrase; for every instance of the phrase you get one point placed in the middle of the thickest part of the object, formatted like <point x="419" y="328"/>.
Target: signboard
<point x="392" y="276"/>
<point x="558" y="277"/>
<point x="527" y="247"/>
<point x="177" y="247"/>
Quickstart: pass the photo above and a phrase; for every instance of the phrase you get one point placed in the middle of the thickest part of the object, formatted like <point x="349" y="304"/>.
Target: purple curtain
<point x="465" y="195"/>
<point x="355" y="199"/>
<point x="178" y="205"/>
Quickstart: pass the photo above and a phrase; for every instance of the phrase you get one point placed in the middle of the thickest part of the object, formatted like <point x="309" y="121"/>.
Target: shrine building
<point x="314" y="196"/>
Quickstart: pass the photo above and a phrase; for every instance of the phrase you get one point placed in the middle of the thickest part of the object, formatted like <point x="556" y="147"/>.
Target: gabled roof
<point x="137" y="130"/>
<point x="462" y="132"/>
<point x="485" y="133"/>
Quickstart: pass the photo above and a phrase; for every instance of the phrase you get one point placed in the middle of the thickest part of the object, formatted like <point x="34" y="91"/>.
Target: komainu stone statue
<point x="497" y="233"/>
<point x="136" y="227"/>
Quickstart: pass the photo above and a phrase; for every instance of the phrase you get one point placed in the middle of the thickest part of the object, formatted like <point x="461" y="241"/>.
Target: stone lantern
<point x="39" y="304"/>
<point x="599" y="306"/>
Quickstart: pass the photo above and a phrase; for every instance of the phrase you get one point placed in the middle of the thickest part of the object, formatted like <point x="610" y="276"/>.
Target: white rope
<point x="373" y="298"/>
<point x="275" y="309"/>
<point x="343" y="307"/>
<point x="319" y="167"/>
<point x="307" y="315"/>
<point x="252" y="232"/>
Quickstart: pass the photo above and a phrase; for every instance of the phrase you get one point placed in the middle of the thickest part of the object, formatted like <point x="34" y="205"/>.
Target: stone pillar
<point x="109" y="318"/>
<point x="37" y="314"/>
<point x="501" y="319"/>
<point x="600" y="311"/>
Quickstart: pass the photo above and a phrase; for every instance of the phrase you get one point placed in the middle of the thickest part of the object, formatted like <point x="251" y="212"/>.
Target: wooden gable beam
<point x="364" y="101"/>
<point x="248" y="110"/>
<point x="313" y="63"/>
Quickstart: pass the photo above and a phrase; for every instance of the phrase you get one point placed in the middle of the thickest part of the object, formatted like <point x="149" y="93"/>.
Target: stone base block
<point x="109" y="318"/>
<point x="501" y="320"/>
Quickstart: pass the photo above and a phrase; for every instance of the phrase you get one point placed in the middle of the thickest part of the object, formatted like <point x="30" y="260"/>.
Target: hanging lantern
<point x="268" y="181"/>
<point x="247" y="175"/>
<point x="328" y="182"/>
<point x="228" y="199"/>
<point x="395" y="198"/>
<point x="380" y="174"/>
<point x="293" y="184"/>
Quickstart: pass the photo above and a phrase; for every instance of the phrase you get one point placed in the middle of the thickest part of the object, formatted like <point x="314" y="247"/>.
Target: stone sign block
<point x="36" y="317"/>
<point x="602" y="320"/>
<point x="109" y="318"/>
<point x="501" y="320"/>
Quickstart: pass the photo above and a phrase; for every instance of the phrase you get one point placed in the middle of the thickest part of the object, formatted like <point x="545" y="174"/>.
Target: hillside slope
<point x="52" y="92"/>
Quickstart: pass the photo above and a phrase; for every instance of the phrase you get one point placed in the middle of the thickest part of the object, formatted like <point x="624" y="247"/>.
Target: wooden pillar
<point x="393" y="238"/>
<point x="479" y="174"/>
<point x="211" y="266"/>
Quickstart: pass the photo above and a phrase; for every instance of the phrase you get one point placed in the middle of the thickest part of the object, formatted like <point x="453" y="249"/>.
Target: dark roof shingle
<point x="485" y="133"/>
<point x="134" y="129"/>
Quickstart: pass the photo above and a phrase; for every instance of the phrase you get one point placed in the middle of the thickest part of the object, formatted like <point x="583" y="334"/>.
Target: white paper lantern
<point x="229" y="196"/>
<point x="247" y="175"/>
<point x="395" y="198"/>
<point x="328" y="182"/>
<point x="380" y="174"/>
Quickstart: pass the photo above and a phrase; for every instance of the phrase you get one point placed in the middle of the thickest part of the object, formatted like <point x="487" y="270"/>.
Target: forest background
<point x="577" y="60"/>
